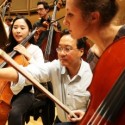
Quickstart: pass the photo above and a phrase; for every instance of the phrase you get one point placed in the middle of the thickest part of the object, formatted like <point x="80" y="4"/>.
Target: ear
<point x="81" y="52"/>
<point x="94" y="17"/>
<point x="47" y="10"/>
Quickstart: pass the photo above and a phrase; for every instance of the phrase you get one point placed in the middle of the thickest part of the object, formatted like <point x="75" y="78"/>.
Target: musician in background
<point x="44" y="21"/>
<point x="9" y="21"/>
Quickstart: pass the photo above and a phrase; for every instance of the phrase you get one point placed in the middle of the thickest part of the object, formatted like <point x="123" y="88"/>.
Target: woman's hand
<point x="22" y="50"/>
<point x="79" y="115"/>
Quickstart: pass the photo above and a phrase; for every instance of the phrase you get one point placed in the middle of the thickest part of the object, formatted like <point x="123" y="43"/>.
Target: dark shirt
<point x="92" y="59"/>
<point x="44" y="34"/>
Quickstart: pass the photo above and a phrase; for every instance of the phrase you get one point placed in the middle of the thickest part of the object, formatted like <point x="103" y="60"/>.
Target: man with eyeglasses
<point x="43" y="10"/>
<point x="73" y="77"/>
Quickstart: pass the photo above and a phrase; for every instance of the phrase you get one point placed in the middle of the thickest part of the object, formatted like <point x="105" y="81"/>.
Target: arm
<point x="9" y="74"/>
<point x="22" y="50"/>
<point x="34" y="55"/>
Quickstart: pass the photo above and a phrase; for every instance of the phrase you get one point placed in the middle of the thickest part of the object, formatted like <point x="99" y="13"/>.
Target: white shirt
<point x="72" y="92"/>
<point x="37" y="57"/>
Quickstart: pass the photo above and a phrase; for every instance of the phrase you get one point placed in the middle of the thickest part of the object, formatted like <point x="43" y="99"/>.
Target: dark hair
<point x="9" y="19"/>
<point x="45" y="4"/>
<point x="107" y="9"/>
<point x="81" y="43"/>
<point x="12" y="40"/>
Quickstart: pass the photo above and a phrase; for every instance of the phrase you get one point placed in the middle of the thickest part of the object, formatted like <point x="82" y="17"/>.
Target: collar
<point x="80" y="72"/>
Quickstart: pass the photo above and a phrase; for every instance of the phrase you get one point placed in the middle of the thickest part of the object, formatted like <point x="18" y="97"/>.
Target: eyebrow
<point x="19" y="25"/>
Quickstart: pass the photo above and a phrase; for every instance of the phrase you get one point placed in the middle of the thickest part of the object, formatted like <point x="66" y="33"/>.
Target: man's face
<point x="68" y="54"/>
<point x="42" y="12"/>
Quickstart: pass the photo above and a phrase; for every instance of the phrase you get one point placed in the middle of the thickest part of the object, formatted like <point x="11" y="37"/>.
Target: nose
<point x="65" y="21"/>
<point x="62" y="53"/>
<point x="18" y="30"/>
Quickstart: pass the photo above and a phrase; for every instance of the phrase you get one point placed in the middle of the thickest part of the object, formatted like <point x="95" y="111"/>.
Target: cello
<point x="107" y="105"/>
<point x="5" y="91"/>
<point x="50" y="43"/>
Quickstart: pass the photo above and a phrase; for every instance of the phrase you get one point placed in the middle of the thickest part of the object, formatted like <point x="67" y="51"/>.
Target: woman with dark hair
<point x="23" y="95"/>
<point x="12" y="38"/>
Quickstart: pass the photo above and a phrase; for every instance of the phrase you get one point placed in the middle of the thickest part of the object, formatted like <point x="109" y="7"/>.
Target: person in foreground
<point x="70" y="76"/>
<point x="95" y="19"/>
<point x="95" y="22"/>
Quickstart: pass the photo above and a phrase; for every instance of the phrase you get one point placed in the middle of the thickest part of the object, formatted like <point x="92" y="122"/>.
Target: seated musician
<point x="70" y="76"/>
<point x="45" y="19"/>
<point x="23" y="98"/>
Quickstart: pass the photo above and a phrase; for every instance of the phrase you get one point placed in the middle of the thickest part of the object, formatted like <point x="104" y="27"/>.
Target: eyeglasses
<point x="66" y="49"/>
<point x="40" y="9"/>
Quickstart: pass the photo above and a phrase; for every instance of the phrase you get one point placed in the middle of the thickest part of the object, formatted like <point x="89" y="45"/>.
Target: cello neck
<point x="50" y="36"/>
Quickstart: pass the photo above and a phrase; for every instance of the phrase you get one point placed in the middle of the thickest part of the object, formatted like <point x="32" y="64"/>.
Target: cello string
<point x="109" y="107"/>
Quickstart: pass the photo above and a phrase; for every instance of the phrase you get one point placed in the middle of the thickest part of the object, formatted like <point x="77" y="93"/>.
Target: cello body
<point x="55" y="41"/>
<point x="6" y="93"/>
<point x="5" y="99"/>
<point x="107" y="105"/>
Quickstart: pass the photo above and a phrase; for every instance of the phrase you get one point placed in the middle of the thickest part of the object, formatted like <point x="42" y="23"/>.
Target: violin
<point x="107" y="104"/>
<point x="5" y="91"/>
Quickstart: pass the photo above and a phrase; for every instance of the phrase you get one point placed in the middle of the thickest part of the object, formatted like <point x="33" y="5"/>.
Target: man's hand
<point x="78" y="113"/>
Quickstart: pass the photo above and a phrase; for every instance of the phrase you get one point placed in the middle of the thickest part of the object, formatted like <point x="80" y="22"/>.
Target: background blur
<point x="28" y="8"/>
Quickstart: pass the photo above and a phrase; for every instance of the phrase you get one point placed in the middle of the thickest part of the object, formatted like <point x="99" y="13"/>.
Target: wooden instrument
<point x="107" y="104"/>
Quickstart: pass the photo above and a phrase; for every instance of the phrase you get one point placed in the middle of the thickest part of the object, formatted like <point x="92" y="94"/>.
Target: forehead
<point x="40" y="6"/>
<point x="67" y="40"/>
<point x="71" y="5"/>
<point x="20" y="22"/>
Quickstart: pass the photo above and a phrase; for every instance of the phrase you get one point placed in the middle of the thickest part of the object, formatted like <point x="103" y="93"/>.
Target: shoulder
<point x="34" y="48"/>
<point x="85" y="65"/>
<point x="85" y="68"/>
<point x="37" y="23"/>
<point x="120" y="33"/>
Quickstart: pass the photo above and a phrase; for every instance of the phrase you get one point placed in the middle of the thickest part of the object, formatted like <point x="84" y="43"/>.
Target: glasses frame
<point x="65" y="49"/>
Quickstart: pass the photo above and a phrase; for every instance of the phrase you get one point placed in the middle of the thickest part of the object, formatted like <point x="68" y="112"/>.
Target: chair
<point x="42" y="107"/>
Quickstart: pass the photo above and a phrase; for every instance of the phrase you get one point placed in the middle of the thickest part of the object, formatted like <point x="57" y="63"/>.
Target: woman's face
<point x="20" y="30"/>
<point x="77" y="25"/>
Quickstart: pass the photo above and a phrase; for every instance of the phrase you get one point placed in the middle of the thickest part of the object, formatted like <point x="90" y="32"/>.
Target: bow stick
<point x="16" y="66"/>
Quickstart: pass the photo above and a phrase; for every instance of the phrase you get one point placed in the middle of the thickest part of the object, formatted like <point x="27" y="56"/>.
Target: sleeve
<point x="17" y="87"/>
<point x="37" y="54"/>
<point x="37" y="57"/>
<point x="40" y="71"/>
